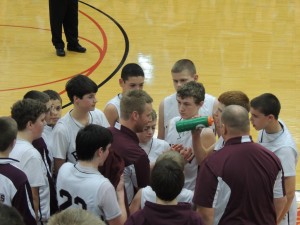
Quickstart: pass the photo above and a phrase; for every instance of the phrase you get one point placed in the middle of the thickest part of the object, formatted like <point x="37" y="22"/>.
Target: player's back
<point x="81" y="187"/>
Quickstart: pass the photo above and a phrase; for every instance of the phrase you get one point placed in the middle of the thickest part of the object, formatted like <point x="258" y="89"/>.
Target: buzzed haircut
<point x="175" y="156"/>
<point x="27" y="110"/>
<point x="79" y="86"/>
<point x="89" y="139"/>
<point x="37" y="95"/>
<point x="236" y="118"/>
<point x="267" y="103"/>
<point x="131" y="70"/>
<point x="8" y="134"/>
<point x="192" y="89"/>
<point x="10" y="216"/>
<point x="184" y="64"/>
<point x="74" y="216"/>
<point x="235" y="98"/>
<point x="134" y="100"/>
<point x="53" y="95"/>
<point x="167" y="179"/>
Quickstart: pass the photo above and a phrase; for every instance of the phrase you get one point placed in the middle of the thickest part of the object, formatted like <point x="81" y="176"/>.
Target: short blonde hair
<point x="74" y="216"/>
<point x="173" y="155"/>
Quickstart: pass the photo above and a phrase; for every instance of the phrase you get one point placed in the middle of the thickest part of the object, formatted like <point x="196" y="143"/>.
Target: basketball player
<point x="275" y="136"/>
<point x="83" y="186"/>
<point x="183" y="71"/>
<point x="14" y="187"/>
<point x="42" y="143"/>
<point x="132" y="78"/>
<point x="190" y="98"/>
<point x="225" y="99"/>
<point x="167" y="179"/>
<point x="30" y="117"/>
<point x="81" y="91"/>
<point x="147" y="194"/>
<point x="152" y="146"/>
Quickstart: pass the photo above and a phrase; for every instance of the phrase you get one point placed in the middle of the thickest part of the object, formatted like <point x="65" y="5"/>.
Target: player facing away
<point x="83" y="186"/>
<point x="167" y="179"/>
<point x="15" y="190"/>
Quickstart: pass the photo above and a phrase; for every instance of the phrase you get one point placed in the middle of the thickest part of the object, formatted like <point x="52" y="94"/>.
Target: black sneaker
<point x="60" y="52"/>
<point x="76" y="48"/>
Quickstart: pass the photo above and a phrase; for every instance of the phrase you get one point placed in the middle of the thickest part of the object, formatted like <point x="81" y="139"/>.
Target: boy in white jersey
<point x="14" y="187"/>
<point x="81" y="91"/>
<point x="183" y="71"/>
<point x="190" y="98"/>
<point x="42" y="145"/>
<point x="152" y="146"/>
<point x="132" y="78"/>
<point x="147" y="194"/>
<point x="83" y="186"/>
<point x="56" y="107"/>
<point x="275" y="136"/>
<point x="225" y="99"/>
<point x="30" y="117"/>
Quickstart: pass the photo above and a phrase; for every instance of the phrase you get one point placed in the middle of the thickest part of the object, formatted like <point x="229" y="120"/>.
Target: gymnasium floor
<point x="253" y="46"/>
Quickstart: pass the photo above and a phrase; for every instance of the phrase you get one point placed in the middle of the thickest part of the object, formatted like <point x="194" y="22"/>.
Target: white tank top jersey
<point x="184" y="138"/>
<point x="154" y="148"/>
<point x="31" y="163"/>
<point x="171" y="108"/>
<point x="219" y="144"/>
<point x="86" y="188"/>
<point x="65" y="131"/>
<point x="147" y="194"/>
<point x="116" y="102"/>
<point x="284" y="147"/>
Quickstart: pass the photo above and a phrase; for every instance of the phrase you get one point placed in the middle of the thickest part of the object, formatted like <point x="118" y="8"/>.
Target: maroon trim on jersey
<point x="41" y="146"/>
<point x="23" y="194"/>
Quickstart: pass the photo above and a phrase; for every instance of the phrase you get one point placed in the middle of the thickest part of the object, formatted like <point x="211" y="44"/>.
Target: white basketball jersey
<point x="184" y="138"/>
<point x="171" y="108"/>
<point x="65" y="132"/>
<point x="284" y="147"/>
<point x="86" y="188"/>
<point x="31" y="163"/>
<point x="147" y="194"/>
<point x="115" y="102"/>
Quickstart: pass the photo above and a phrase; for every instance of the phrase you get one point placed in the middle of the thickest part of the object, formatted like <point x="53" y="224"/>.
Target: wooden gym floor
<point x="253" y="46"/>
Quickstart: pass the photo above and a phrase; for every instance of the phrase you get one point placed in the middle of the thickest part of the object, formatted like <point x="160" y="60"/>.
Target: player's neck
<point x="91" y="164"/>
<point x="25" y="135"/>
<point x="162" y="202"/>
<point x="273" y="128"/>
<point x="4" y="154"/>
<point x="80" y="115"/>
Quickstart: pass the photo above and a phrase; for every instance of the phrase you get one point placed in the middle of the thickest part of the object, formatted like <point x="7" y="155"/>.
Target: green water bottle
<point x="190" y="124"/>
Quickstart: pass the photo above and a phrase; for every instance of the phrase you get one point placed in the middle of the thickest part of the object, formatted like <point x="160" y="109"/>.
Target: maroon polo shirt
<point x="126" y="145"/>
<point x="155" y="214"/>
<point x="237" y="181"/>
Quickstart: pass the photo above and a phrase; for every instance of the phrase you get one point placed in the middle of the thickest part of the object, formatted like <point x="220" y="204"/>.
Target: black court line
<point x="126" y="49"/>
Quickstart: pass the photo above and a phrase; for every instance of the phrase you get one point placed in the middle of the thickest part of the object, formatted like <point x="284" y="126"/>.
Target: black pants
<point x="64" y="13"/>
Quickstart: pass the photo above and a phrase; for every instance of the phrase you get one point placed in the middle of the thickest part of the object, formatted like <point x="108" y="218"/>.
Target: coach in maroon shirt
<point x="136" y="108"/>
<point x="242" y="183"/>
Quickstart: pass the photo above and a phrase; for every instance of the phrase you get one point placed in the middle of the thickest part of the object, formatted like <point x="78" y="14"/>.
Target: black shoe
<point x="76" y="48"/>
<point x="60" y="52"/>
